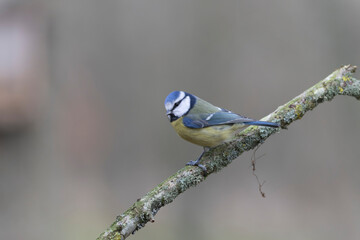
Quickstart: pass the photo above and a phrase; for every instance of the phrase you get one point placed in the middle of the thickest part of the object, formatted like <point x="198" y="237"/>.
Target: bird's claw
<point x="196" y="163"/>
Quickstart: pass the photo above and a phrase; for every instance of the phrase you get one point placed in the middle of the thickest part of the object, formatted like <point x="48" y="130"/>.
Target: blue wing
<point x="212" y="119"/>
<point x="223" y="117"/>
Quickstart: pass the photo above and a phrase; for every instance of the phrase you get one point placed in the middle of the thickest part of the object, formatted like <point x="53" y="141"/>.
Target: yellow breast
<point x="206" y="137"/>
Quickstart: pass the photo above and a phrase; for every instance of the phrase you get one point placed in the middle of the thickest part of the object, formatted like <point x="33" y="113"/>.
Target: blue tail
<point x="262" y="123"/>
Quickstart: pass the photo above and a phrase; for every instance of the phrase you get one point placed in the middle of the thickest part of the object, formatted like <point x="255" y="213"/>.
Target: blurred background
<point x="83" y="131"/>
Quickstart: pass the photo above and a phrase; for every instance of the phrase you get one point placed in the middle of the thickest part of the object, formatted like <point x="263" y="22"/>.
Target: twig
<point x="339" y="82"/>
<point x="253" y="163"/>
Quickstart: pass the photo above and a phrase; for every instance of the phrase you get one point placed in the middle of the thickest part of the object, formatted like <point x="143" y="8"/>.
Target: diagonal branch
<point x="339" y="82"/>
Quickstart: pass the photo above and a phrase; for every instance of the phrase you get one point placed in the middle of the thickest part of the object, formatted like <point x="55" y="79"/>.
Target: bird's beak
<point x="168" y="115"/>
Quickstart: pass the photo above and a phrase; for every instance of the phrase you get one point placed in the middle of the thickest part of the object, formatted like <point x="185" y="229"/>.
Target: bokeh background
<point x="83" y="131"/>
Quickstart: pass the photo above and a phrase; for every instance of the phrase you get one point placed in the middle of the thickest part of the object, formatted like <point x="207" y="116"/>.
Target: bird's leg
<point x="196" y="162"/>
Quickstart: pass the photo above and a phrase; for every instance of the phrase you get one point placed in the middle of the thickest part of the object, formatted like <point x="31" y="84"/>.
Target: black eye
<point x="175" y="105"/>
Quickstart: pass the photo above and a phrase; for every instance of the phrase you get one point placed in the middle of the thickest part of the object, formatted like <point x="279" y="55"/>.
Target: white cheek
<point x="183" y="107"/>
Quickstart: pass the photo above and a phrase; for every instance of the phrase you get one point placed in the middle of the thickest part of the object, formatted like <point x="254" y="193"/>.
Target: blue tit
<point x="204" y="124"/>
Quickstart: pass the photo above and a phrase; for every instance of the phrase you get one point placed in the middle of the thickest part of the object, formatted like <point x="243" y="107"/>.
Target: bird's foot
<point x="196" y="163"/>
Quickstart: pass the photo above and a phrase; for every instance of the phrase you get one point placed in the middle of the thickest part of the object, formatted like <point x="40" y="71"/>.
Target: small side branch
<point x="142" y="211"/>
<point x="253" y="165"/>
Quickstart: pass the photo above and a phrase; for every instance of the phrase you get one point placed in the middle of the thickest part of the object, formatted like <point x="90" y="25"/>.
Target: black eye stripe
<point x="177" y="103"/>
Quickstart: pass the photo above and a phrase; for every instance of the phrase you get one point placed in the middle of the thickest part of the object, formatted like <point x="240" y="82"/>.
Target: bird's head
<point x="178" y="104"/>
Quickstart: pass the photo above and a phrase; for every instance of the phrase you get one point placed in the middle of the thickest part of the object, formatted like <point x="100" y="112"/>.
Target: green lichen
<point x="346" y="78"/>
<point x="117" y="236"/>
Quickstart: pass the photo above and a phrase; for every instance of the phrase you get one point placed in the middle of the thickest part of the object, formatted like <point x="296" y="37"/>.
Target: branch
<point x="143" y="210"/>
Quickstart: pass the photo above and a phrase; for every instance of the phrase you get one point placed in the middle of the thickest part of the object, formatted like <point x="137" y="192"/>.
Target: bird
<point x="204" y="124"/>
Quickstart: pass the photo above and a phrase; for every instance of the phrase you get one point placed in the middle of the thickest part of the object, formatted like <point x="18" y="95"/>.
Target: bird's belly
<point x="208" y="136"/>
